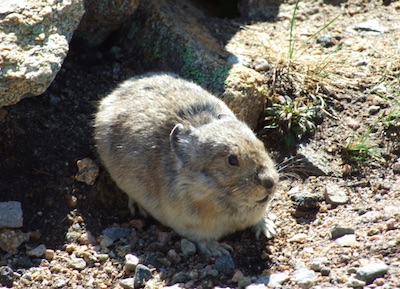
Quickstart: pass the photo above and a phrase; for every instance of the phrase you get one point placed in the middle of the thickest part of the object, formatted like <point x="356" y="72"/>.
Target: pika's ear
<point x="180" y="142"/>
<point x="223" y="116"/>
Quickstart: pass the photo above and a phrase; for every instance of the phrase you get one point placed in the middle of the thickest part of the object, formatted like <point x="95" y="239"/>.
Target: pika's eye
<point x="233" y="160"/>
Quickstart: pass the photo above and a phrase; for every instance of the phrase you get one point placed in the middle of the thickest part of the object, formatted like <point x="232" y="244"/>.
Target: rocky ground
<point x="336" y="229"/>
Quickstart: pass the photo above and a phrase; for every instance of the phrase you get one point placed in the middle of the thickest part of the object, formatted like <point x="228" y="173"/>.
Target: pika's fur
<point x="181" y="155"/>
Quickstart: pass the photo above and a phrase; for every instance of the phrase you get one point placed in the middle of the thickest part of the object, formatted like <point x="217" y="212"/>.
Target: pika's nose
<point x="268" y="182"/>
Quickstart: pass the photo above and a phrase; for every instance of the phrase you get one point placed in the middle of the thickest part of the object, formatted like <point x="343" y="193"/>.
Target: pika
<point x="182" y="156"/>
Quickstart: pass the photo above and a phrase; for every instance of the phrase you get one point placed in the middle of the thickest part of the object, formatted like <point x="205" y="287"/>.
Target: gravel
<point x="79" y="253"/>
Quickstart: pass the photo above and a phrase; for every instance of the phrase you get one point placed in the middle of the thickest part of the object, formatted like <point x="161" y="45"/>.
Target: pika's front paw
<point x="265" y="227"/>
<point x="214" y="248"/>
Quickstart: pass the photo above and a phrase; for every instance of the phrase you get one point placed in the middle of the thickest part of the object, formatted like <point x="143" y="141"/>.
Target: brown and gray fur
<point x="171" y="146"/>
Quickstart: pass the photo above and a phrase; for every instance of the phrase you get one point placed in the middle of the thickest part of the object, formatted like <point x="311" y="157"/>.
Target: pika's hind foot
<point x="132" y="205"/>
<point x="265" y="227"/>
<point x="214" y="248"/>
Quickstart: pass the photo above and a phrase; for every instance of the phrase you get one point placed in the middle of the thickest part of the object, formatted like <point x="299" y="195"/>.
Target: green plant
<point x="361" y="148"/>
<point x="294" y="118"/>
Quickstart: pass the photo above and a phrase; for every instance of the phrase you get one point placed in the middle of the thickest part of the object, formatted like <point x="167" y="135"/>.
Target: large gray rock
<point x="11" y="215"/>
<point x="103" y="17"/>
<point x="177" y="36"/>
<point x="34" y="42"/>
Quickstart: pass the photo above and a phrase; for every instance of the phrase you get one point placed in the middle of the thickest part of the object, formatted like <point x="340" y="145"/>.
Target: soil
<point x="42" y="138"/>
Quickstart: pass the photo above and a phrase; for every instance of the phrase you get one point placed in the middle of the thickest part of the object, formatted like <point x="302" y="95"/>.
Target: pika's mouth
<point x="264" y="200"/>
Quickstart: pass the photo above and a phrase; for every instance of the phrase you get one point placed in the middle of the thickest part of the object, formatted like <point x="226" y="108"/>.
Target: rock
<point x="274" y="280"/>
<point x="88" y="171"/>
<point x="305" y="278"/>
<point x="77" y="263"/>
<point x="335" y="195"/>
<point x="49" y="254"/>
<point x="34" y="42"/>
<point x="162" y="37"/>
<point x="304" y="200"/>
<point x="180" y="277"/>
<point x="131" y="261"/>
<point x="105" y="241"/>
<point x="244" y="282"/>
<point x="396" y="167"/>
<point x="373" y="109"/>
<point x="37" y="252"/>
<point x="347" y="241"/>
<point x="103" y="17"/>
<point x="371" y="25"/>
<point x="318" y="263"/>
<point x="326" y="40"/>
<point x="260" y="64"/>
<point x="355" y="283"/>
<point x="298" y="238"/>
<point x="11" y="214"/>
<point x="315" y="161"/>
<point x="352" y="123"/>
<point x="142" y="274"/>
<point x="127" y="283"/>
<point x="370" y="272"/>
<point x="188" y="248"/>
<point x="10" y="240"/>
<point x="116" y="233"/>
<point x="337" y="231"/>
<point x="6" y="276"/>
<point x="225" y="264"/>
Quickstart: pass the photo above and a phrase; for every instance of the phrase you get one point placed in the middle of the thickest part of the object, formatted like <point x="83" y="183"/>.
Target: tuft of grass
<point x="361" y="148"/>
<point x="294" y="98"/>
<point x="294" y="118"/>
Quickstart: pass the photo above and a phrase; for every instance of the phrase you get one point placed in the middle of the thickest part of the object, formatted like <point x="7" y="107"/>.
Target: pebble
<point x="396" y="167"/>
<point x="77" y="263"/>
<point x="371" y="25"/>
<point x="373" y="109"/>
<point x="87" y="239"/>
<point x="127" y="283"/>
<point x="370" y="272"/>
<point x="11" y="215"/>
<point x="355" y="283"/>
<point x="37" y="252"/>
<point x="60" y="283"/>
<point x="174" y="256"/>
<point x="260" y="64"/>
<point x="131" y="262"/>
<point x="352" y="123"/>
<point x="325" y="271"/>
<point x="347" y="241"/>
<point x="116" y="233"/>
<point x="274" y="280"/>
<point x="10" y="240"/>
<point x="49" y="254"/>
<point x="326" y="40"/>
<point x="305" y="278"/>
<point x="298" y="238"/>
<point x="88" y="171"/>
<point x="225" y="264"/>
<point x="335" y="195"/>
<point x="188" y="248"/>
<point x="244" y="281"/>
<point x="6" y="276"/>
<point x="337" y="231"/>
<point x="180" y="278"/>
<point x="318" y="263"/>
<point x="303" y="200"/>
<point x="142" y="274"/>
<point x="105" y="241"/>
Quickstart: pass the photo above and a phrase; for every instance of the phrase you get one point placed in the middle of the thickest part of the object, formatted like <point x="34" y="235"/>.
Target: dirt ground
<point x="41" y="139"/>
